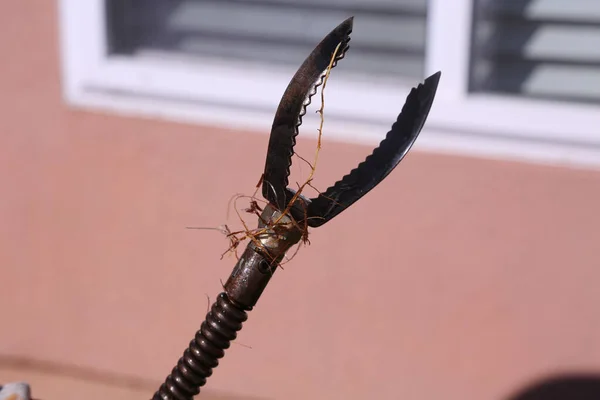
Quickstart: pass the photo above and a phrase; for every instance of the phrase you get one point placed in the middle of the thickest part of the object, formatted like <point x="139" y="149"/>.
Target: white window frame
<point x="214" y="93"/>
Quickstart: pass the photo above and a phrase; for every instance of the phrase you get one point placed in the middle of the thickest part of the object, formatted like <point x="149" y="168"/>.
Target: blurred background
<point x="471" y="272"/>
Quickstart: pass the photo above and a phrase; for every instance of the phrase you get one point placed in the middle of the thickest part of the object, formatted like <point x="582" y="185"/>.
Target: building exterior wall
<point x="456" y="278"/>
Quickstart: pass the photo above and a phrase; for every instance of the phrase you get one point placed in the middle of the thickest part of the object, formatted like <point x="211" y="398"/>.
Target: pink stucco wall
<point x="455" y="279"/>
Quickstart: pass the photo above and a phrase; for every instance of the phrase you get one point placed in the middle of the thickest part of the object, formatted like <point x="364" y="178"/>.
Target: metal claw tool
<point x="284" y="220"/>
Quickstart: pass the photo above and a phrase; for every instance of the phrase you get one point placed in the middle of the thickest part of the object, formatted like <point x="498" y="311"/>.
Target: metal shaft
<point x="244" y="287"/>
<point x="204" y="351"/>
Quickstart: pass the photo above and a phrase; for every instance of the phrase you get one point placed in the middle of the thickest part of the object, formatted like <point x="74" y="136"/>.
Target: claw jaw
<point x="292" y="108"/>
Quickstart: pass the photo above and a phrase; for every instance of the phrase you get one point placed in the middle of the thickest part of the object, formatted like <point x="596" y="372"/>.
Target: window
<point x="545" y="49"/>
<point x="520" y="78"/>
<point x="389" y="40"/>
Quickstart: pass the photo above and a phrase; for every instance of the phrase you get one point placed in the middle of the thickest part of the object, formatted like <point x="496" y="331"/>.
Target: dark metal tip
<point x="434" y="79"/>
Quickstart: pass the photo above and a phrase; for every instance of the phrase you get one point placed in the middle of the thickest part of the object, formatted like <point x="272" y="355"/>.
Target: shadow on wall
<point x="567" y="386"/>
<point x="562" y="387"/>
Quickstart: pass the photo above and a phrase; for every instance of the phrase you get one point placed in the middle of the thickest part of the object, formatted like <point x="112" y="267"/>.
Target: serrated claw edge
<point x="384" y="158"/>
<point x="293" y="106"/>
<point x="307" y="102"/>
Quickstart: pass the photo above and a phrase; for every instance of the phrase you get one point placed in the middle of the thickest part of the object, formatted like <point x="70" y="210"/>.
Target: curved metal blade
<point x="292" y="107"/>
<point x="382" y="161"/>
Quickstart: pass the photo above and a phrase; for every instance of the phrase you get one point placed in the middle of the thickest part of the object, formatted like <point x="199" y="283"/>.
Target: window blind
<point x="389" y="35"/>
<point x="537" y="48"/>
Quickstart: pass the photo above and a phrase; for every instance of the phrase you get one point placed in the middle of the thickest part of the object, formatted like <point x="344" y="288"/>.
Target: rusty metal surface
<point x="285" y="220"/>
<point x="277" y="233"/>
<point x="260" y="260"/>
